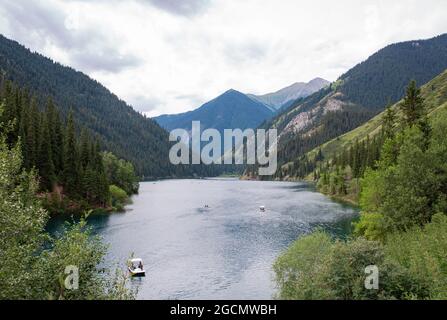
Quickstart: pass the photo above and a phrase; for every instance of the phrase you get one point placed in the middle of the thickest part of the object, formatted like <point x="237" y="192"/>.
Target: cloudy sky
<point x="169" y="56"/>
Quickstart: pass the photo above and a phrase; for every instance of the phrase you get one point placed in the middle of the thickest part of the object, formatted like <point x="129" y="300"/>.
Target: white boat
<point x="136" y="268"/>
<point x="261" y="208"/>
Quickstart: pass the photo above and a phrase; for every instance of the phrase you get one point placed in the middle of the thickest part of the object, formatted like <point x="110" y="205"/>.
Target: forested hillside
<point x="33" y="263"/>
<point x="72" y="174"/>
<point x="382" y="78"/>
<point x="403" y="222"/>
<point x="339" y="175"/>
<point x="367" y="137"/>
<point x="357" y="95"/>
<point x="121" y="129"/>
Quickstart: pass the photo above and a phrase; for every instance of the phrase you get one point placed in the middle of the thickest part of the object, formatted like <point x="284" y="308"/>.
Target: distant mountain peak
<point x="231" y="92"/>
<point x="275" y="100"/>
<point x="230" y="110"/>
<point x="319" y="80"/>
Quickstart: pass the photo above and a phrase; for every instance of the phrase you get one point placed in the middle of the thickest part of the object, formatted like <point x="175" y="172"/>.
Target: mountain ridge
<point x="231" y="109"/>
<point x="122" y="130"/>
<point x="357" y="95"/>
<point x="292" y="92"/>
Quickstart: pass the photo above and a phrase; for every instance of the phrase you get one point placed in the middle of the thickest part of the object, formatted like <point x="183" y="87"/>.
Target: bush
<point x="346" y="276"/>
<point x="315" y="267"/>
<point x="119" y="197"/>
<point x="370" y="226"/>
<point x="300" y="271"/>
<point x="423" y="252"/>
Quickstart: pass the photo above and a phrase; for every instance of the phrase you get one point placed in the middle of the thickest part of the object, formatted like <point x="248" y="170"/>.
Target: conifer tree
<point x="23" y="128"/>
<point x="85" y="149"/>
<point x="45" y="164"/>
<point x="413" y="104"/>
<point x="388" y="122"/>
<point x="102" y="183"/>
<point x="71" y="161"/>
<point x="56" y="135"/>
<point x="32" y="134"/>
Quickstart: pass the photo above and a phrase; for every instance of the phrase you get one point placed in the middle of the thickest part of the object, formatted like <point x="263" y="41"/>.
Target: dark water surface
<point x="225" y="251"/>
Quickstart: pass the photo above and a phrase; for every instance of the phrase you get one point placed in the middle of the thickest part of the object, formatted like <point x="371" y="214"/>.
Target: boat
<point x="262" y="208"/>
<point x="136" y="268"/>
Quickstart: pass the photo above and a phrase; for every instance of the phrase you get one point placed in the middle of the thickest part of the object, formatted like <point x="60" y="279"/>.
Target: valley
<point x="361" y="181"/>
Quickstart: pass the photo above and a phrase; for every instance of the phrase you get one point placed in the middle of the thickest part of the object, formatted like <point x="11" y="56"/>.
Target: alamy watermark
<point x="72" y="280"/>
<point x="259" y="148"/>
<point x="372" y="278"/>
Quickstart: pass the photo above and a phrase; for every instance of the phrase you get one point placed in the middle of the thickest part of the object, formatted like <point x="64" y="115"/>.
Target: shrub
<point x="300" y="271"/>
<point x="119" y="197"/>
<point x="423" y="252"/>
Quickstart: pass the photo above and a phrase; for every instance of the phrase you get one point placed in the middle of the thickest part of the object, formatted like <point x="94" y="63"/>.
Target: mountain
<point x="230" y="110"/>
<point x="357" y="95"/>
<point x="120" y="128"/>
<point x="285" y="96"/>
<point x="434" y="94"/>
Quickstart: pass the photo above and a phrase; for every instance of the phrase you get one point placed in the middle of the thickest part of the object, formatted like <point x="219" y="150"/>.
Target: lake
<point x="223" y="251"/>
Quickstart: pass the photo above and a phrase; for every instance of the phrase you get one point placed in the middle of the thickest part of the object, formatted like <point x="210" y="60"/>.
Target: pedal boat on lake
<point x="136" y="268"/>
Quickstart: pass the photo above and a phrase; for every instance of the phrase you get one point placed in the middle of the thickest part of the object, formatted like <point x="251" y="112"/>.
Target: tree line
<point x="72" y="171"/>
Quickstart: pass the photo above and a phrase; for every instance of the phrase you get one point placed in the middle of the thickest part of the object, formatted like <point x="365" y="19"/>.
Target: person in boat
<point x="140" y="265"/>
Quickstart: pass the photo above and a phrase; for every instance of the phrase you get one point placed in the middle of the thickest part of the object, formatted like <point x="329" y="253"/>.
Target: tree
<point x="71" y="160"/>
<point x="44" y="157"/>
<point x="56" y="135"/>
<point x="389" y="121"/>
<point x="407" y="189"/>
<point x="413" y="104"/>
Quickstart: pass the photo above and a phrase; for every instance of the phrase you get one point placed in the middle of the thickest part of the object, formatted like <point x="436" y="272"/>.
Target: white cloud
<point x="163" y="57"/>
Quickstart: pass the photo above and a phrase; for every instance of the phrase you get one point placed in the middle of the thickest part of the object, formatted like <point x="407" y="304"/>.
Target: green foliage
<point x="120" y="173"/>
<point x="423" y="252"/>
<point x="346" y="272"/>
<point x="408" y="189"/>
<point x="32" y="264"/>
<point x="389" y="121"/>
<point x="401" y="196"/>
<point x="316" y="267"/>
<point x="301" y="270"/>
<point x="412" y="105"/>
<point x="71" y="174"/>
<point x="70" y="169"/>
<point x="370" y="226"/>
<point x="119" y="197"/>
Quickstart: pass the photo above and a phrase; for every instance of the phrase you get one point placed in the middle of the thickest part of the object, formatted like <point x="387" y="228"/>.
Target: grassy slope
<point x="435" y="95"/>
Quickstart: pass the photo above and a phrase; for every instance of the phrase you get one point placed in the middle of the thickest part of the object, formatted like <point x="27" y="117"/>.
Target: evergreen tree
<point x="413" y="104"/>
<point x="71" y="161"/>
<point x="102" y="182"/>
<point x="32" y="134"/>
<point x="85" y="149"/>
<point x="56" y="136"/>
<point x="45" y="164"/>
<point x="23" y="128"/>
<point x="388" y="122"/>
